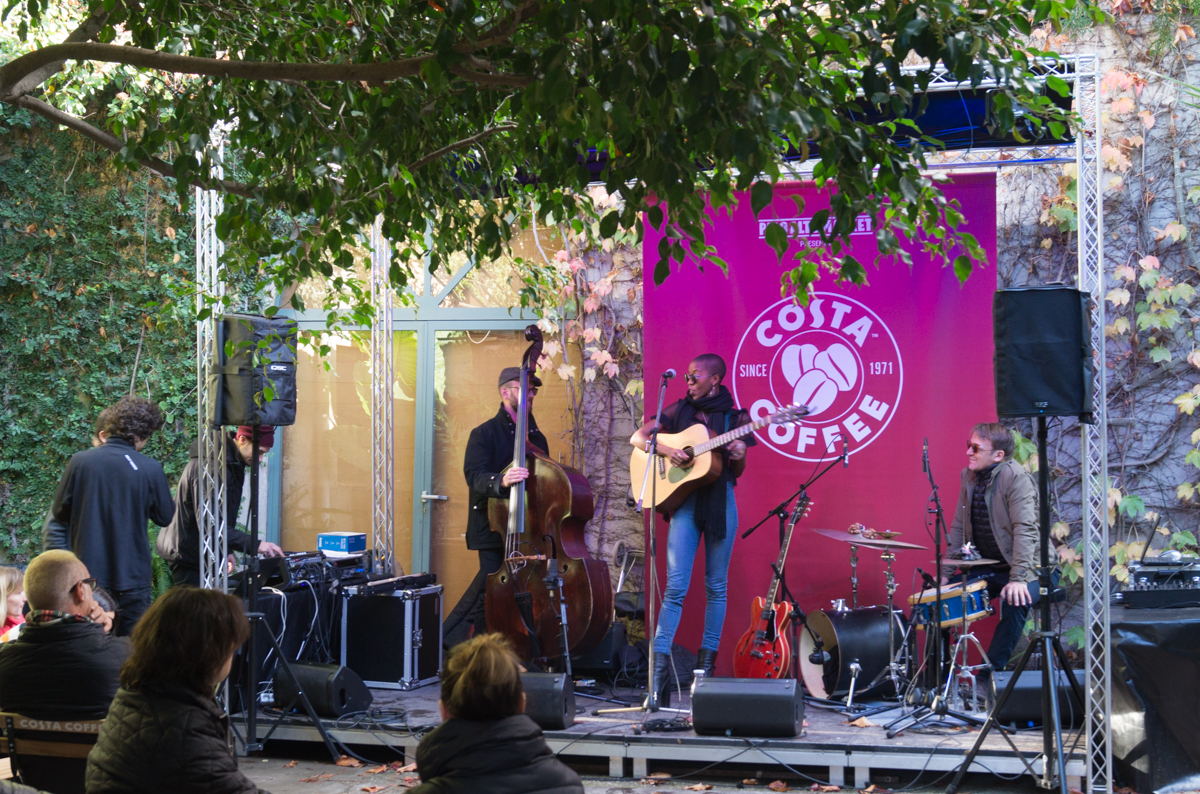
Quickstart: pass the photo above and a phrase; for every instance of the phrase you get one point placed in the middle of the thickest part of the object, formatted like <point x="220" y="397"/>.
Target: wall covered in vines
<point x="95" y="302"/>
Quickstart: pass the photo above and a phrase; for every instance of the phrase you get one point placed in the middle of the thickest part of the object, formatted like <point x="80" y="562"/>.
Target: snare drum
<point x="973" y="603"/>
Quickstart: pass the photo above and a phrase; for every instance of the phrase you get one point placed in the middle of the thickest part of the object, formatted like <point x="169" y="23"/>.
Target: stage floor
<point x="830" y="750"/>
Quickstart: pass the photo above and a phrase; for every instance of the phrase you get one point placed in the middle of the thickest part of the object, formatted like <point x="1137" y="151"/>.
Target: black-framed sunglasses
<point x="975" y="449"/>
<point x="90" y="582"/>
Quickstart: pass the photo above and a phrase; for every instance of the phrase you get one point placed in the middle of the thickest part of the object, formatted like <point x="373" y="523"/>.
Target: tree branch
<point x="465" y="142"/>
<point x="115" y="144"/>
<point x="14" y="73"/>
<point x="86" y="31"/>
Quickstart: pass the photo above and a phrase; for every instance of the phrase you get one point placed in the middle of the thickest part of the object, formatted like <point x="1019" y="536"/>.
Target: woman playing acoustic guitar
<point x="710" y="511"/>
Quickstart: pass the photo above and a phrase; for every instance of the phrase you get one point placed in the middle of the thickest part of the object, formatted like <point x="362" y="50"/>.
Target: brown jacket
<point x="1012" y="503"/>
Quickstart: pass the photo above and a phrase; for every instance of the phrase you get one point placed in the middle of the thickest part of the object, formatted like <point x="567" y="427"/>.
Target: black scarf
<point x="710" y="500"/>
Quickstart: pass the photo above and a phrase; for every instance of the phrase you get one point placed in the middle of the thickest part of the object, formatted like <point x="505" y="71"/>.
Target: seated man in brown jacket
<point x="64" y="664"/>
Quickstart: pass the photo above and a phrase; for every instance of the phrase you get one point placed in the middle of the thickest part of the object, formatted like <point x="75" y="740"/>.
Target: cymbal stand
<point x="651" y="571"/>
<point x="854" y="577"/>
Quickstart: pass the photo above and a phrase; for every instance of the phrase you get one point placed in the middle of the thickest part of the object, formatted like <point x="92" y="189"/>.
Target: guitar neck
<point x="783" y="550"/>
<point x="725" y="438"/>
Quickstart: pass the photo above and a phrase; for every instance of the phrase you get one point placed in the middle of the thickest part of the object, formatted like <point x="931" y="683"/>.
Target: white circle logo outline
<point x="830" y="296"/>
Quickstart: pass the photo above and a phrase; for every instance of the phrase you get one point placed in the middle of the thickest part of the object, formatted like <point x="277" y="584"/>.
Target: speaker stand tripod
<point x="1045" y="640"/>
<point x="251" y="743"/>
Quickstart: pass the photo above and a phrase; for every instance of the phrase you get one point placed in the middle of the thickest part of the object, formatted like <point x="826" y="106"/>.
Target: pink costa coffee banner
<point x="882" y="367"/>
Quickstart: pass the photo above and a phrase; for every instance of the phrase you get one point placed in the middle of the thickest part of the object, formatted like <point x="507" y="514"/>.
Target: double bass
<point x="544" y="551"/>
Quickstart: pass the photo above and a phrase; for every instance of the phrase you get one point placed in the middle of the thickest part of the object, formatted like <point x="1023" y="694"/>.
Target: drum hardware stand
<point x="935" y="706"/>
<point x="1045" y="640"/>
<point x="897" y="677"/>
<point x="958" y="672"/>
<point x="854" y="577"/>
<point x="651" y="702"/>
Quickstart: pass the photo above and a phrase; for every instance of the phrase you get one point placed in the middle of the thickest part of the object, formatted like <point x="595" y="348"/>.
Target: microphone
<point x="845" y="454"/>
<point x="820" y="655"/>
<point x="929" y="581"/>
<point x="669" y="374"/>
<point x="925" y="457"/>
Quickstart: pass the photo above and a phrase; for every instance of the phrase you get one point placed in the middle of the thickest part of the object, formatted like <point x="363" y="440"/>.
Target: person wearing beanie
<point x="179" y="543"/>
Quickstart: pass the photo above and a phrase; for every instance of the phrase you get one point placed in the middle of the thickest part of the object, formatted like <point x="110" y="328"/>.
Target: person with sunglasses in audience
<point x="489" y="453"/>
<point x="997" y="514"/>
<point x="65" y="663"/>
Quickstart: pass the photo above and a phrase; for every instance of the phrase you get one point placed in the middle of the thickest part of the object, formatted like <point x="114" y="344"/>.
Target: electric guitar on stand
<point x="763" y="651"/>
<point x="676" y="483"/>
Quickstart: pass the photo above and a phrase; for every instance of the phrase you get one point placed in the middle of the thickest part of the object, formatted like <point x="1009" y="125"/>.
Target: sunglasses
<point x="91" y="583"/>
<point x="975" y="449"/>
<point x="692" y="378"/>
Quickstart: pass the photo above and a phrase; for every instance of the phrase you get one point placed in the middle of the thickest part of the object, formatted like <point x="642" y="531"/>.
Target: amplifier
<point x="1158" y="583"/>
<point x="393" y="639"/>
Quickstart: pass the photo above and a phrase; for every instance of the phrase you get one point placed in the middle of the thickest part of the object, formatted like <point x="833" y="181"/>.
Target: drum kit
<point x="852" y="651"/>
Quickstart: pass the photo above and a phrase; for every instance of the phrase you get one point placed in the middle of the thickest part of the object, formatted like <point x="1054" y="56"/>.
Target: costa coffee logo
<point x="837" y="357"/>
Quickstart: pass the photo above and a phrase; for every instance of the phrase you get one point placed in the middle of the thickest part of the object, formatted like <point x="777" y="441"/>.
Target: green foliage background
<point x="93" y="260"/>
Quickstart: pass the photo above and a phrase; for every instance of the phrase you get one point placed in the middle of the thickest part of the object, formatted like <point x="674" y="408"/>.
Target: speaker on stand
<point x="1044" y="367"/>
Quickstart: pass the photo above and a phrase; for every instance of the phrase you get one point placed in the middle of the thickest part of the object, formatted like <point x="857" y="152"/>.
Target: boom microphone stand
<point x="1047" y="642"/>
<point x="936" y="706"/>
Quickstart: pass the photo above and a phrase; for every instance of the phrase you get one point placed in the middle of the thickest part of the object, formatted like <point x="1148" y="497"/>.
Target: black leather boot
<point x="664" y="681"/>
<point x="706" y="660"/>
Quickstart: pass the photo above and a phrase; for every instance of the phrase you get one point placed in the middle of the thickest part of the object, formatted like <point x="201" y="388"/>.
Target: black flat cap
<point x="514" y="373"/>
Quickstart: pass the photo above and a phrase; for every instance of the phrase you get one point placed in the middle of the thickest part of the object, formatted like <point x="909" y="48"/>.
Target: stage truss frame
<point x="383" y="536"/>
<point x="1081" y="70"/>
<point x="211" y="514"/>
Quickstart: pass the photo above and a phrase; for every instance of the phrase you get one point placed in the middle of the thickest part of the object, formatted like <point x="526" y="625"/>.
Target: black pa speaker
<point x="549" y="700"/>
<point x="1024" y="705"/>
<point x="759" y="707"/>
<point x="263" y="354"/>
<point x="1043" y="360"/>
<point x="332" y="690"/>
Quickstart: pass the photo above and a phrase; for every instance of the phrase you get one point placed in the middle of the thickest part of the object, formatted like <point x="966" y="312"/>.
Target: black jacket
<point x="172" y="740"/>
<point x="179" y="543"/>
<point x="508" y="756"/>
<point x="105" y="497"/>
<point x="489" y="453"/>
<point x="61" y="671"/>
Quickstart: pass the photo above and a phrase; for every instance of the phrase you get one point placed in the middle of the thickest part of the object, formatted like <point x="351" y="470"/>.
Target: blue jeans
<point x="1012" y="618"/>
<point x="682" y="542"/>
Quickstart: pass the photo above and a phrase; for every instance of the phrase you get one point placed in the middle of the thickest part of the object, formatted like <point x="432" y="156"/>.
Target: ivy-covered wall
<point x="95" y="300"/>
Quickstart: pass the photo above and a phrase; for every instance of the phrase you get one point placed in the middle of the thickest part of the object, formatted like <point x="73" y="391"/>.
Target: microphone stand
<point x="936" y="706"/>
<point x="651" y="702"/>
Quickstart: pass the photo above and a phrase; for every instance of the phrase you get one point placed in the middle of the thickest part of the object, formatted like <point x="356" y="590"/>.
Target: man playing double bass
<point x="710" y="513"/>
<point x="489" y="451"/>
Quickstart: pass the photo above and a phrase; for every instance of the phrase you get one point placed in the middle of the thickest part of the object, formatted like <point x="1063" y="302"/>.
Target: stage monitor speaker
<point x="761" y="707"/>
<point x="263" y="354"/>
<point x="1043" y="356"/>
<point x="549" y="700"/>
<point x="332" y="690"/>
<point x="1024" y="706"/>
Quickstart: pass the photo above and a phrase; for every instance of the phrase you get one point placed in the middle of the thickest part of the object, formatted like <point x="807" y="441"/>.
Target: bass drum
<point x="848" y="636"/>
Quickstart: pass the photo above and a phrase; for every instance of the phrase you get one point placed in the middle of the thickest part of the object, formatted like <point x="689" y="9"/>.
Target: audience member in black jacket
<point x="106" y="497"/>
<point x="485" y="743"/>
<point x="63" y="665"/>
<point x="179" y="543"/>
<point x="164" y="731"/>
<point x="485" y="465"/>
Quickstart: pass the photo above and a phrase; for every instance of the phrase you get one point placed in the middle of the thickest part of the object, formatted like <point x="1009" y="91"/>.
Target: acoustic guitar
<point x="675" y="483"/>
<point x="763" y="651"/>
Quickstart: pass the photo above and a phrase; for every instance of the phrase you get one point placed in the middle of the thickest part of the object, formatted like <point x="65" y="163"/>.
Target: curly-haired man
<point x="106" y="497"/>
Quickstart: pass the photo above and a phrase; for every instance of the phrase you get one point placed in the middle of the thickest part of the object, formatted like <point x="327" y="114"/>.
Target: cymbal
<point x="874" y="543"/>
<point x="967" y="563"/>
